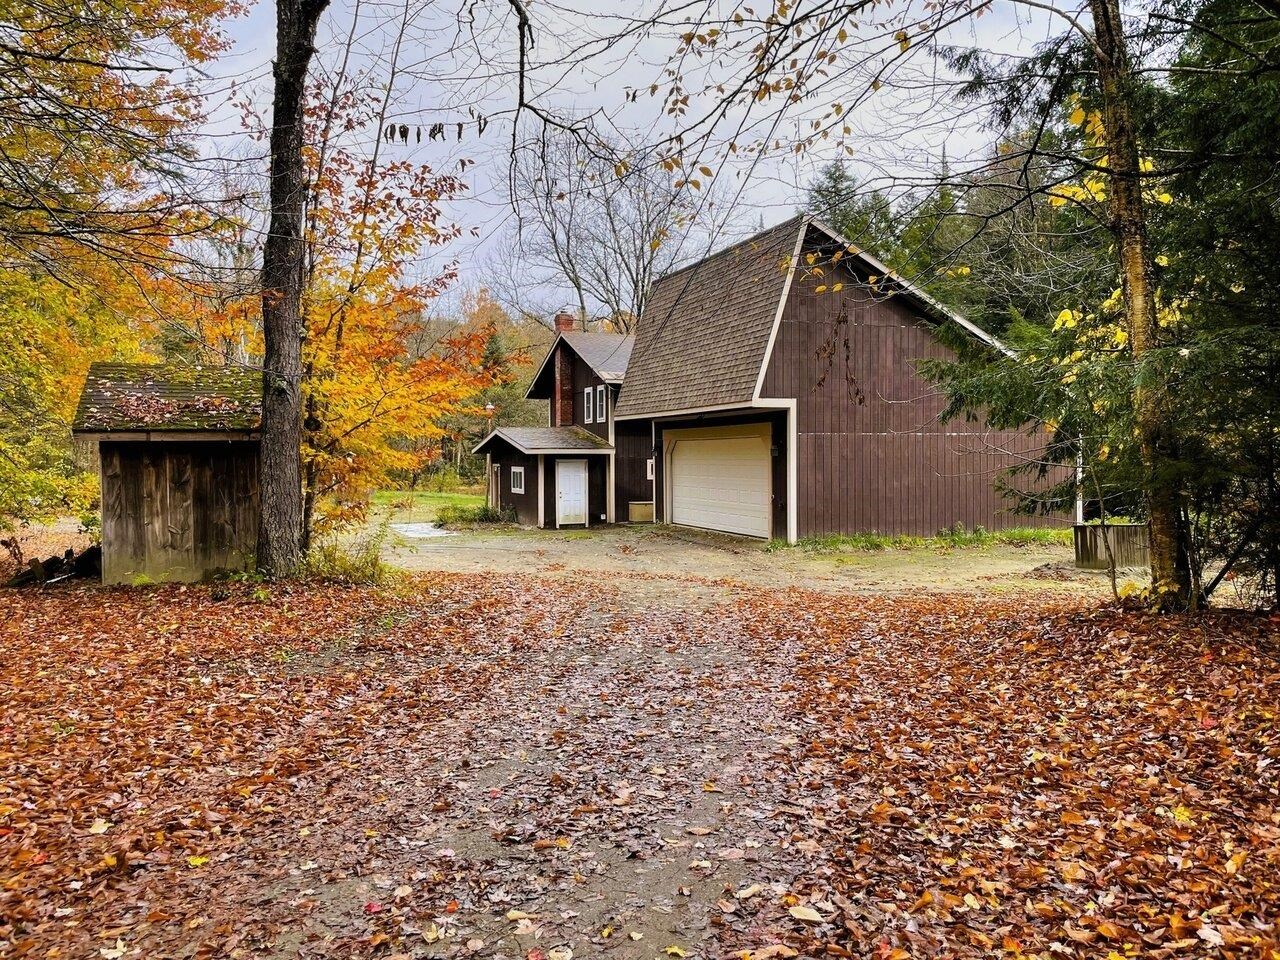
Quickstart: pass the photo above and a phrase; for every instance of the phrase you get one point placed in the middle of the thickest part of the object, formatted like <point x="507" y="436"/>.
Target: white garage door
<point x="721" y="482"/>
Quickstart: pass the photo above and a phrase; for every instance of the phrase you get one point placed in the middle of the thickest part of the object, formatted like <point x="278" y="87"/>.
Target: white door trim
<point x="777" y="317"/>
<point x="542" y="502"/>
<point x="586" y="490"/>
<point x="793" y="464"/>
<point x="760" y="428"/>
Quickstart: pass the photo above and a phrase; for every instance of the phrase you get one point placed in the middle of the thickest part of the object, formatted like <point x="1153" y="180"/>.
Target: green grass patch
<point x="423" y="506"/>
<point x="944" y="540"/>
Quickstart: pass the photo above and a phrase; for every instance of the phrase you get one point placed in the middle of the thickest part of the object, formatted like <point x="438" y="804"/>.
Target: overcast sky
<point x="457" y="60"/>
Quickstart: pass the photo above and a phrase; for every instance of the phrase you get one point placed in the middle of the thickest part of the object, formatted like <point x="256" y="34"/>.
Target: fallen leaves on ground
<point x="984" y="777"/>
<point x="513" y="767"/>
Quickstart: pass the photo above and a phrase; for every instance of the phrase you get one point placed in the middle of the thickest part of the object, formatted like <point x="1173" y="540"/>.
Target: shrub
<point x="355" y="561"/>
<point x="453" y="515"/>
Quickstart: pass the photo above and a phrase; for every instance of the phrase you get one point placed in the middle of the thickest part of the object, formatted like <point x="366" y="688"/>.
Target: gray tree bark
<point x="1170" y="569"/>
<point x="280" y="522"/>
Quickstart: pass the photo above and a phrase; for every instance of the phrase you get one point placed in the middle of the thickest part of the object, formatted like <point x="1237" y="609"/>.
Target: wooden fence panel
<point x="1128" y="545"/>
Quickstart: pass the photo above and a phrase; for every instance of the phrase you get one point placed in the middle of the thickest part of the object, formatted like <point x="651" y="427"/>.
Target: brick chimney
<point x="565" y="322"/>
<point x="562" y="403"/>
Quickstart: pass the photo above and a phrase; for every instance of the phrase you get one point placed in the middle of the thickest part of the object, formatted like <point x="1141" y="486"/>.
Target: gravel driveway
<point x="683" y="555"/>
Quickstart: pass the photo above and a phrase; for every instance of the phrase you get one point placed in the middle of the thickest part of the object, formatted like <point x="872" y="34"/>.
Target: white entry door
<point x="721" y="479"/>
<point x="571" y="492"/>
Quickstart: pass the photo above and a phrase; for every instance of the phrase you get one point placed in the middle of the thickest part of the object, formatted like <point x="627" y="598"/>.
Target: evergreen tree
<point x="1219" y="240"/>
<point x="1214" y="228"/>
<point x="865" y="217"/>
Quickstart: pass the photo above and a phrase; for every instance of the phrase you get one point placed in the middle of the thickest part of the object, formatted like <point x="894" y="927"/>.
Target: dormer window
<point x="586" y="405"/>
<point x="602" y="411"/>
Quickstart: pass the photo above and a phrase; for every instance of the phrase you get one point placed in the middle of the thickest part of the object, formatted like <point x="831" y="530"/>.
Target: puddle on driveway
<point x="421" y="531"/>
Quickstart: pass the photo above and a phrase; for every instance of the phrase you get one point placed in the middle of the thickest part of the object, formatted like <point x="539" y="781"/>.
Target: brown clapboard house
<point x="770" y="391"/>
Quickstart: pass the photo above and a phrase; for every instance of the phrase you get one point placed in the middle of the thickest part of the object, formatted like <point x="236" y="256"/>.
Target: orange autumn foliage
<point x="95" y="123"/>
<point x="376" y="387"/>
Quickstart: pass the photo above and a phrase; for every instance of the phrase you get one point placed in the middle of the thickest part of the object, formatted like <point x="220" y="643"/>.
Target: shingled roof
<point x="705" y="330"/>
<point x="148" y="397"/>
<point x="533" y="440"/>
<point x="608" y="354"/>
<point x="706" y="327"/>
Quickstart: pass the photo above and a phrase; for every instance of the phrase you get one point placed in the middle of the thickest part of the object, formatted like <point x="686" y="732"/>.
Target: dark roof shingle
<point x="545" y="439"/>
<point x="132" y="397"/>
<point x="705" y="328"/>
<point x="605" y="353"/>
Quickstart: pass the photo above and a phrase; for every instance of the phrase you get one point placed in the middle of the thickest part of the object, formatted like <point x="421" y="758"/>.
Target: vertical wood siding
<point x="179" y="512"/>
<point x="524" y="504"/>
<point x="873" y="455"/>
<point x="633" y="442"/>
<point x="597" y="488"/>
<point x="583" y="377"/>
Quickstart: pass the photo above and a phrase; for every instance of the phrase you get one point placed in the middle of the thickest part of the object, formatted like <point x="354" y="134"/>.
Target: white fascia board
<point x="777" y="317"/>
<point x="914" y="290"/>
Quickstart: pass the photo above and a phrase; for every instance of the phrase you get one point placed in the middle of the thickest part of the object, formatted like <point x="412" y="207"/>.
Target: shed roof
<point x="148" y="397"/>
<point x="608" y="354"/>
<point x="547" y="440"/>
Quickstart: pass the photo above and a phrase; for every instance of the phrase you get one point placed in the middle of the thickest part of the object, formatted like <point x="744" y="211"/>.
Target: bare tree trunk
<point x="1170" y="570"/>
<point x="283" y="255"/>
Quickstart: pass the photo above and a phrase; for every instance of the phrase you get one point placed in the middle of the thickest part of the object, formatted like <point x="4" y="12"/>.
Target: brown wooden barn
<point x="178" y="449"/>
<point x="770" y="391"/>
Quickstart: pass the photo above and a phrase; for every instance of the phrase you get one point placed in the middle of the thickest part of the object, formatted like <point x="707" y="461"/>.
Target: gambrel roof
<point x="706" y="330"/>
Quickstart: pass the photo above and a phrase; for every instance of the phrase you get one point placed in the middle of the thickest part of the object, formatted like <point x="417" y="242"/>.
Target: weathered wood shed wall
<point x="178" y="448"/>
<point x="177" y="511"/>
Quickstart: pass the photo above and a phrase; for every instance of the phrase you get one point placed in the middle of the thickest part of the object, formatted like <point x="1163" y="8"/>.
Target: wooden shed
<point x="178" y="453"/>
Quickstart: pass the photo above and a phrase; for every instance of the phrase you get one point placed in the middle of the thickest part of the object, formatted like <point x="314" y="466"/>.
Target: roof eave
<point x="151" y="435"/>
<point x="737" y="405"/>
<point x="535" y="451"/>
<point x="533" y="384"/>
<point x="483" y="443"/>
<point x="913" y="290"/>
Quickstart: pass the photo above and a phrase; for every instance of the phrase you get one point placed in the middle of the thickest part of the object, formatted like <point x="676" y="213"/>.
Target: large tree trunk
<point x="1170" y="570"/>
<point x="280" y="526"/>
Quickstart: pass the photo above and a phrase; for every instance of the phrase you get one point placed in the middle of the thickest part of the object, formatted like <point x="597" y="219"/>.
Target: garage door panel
<point x="722" y="483"/>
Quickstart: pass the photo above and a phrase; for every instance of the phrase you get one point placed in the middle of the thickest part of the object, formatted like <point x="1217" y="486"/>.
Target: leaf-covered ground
<point x="635" y="768"/>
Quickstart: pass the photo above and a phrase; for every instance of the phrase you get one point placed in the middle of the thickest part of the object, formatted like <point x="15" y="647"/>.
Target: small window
<point x="602" y="412"/>
<point x="517" y="479"/>
<point x="648" y="469"/>
<point x="586" y="405"/>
